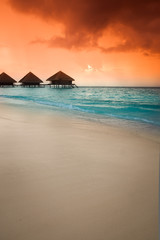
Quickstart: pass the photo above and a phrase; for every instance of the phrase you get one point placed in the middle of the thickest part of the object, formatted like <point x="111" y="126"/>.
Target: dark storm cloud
<point x="137" y="22"/>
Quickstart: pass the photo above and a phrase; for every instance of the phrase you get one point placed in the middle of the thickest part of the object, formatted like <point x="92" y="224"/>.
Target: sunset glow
<point x="95" y="42"/>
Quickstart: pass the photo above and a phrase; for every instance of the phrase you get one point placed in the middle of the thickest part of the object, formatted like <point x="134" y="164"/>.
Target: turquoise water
<point x="133" y="104"/>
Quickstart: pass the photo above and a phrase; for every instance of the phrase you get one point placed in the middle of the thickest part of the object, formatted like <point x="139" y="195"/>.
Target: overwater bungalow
<point x="6" y="80"/>
<point x="31" y="80"/>
<point x="61" y="80"/>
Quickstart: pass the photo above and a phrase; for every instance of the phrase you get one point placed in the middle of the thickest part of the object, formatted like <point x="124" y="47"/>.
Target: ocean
<point x="105" y="104"/>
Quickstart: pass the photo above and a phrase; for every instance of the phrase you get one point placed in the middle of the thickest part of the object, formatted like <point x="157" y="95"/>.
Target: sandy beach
<point x="71" y="179"/>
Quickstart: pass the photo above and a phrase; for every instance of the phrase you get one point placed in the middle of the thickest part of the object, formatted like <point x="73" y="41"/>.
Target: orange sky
<point x="104" y="45"/>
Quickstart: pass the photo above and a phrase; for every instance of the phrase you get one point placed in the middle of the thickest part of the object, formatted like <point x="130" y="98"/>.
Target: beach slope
<point x="69" y="179"/>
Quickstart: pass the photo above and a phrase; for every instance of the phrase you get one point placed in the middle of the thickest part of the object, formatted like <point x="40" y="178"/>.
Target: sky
<point x="97" y="42"/>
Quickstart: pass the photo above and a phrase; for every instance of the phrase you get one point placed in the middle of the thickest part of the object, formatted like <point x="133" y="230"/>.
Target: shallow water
<point x="138" y="105"/>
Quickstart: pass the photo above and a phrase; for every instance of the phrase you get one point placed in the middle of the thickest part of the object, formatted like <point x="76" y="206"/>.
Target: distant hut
<point x="61" y="79"/>
<point x="31" y="80"/>
<point x="6" y="80"/>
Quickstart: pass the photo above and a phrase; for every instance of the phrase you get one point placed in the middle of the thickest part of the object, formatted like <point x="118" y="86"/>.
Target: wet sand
<point x="69" y="179"/>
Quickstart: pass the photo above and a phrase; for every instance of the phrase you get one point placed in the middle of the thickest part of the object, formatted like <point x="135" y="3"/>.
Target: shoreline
<point x="68" y="178"/>
<point x="133" y="127"/>
<point x="132" y="108"/>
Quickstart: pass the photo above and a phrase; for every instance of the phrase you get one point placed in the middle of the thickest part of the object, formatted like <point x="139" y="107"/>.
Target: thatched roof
<point x="5" y="79"/>
<point x="60" y="76"/>
<point x="30" y="78"/>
